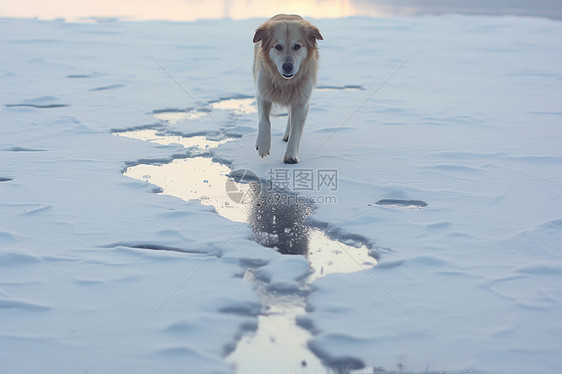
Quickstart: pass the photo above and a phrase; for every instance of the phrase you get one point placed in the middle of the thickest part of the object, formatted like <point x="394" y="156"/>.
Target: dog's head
<point x="288" y="41"/>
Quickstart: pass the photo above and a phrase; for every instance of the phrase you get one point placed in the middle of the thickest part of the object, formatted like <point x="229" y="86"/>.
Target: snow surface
<point x="100" y="274"/>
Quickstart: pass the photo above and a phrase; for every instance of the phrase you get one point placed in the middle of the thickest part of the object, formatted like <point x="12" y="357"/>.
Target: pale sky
<point x="190" y="10"/>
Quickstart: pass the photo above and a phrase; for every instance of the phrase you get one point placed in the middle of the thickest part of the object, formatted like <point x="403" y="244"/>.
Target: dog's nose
<point x="287" y="67"/>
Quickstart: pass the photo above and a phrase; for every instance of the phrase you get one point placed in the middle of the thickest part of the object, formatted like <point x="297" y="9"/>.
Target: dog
<point x="285" y="68"/>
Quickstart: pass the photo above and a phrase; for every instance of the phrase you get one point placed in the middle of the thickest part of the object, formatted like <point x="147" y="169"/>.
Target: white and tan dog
<point x="285" y="67"/>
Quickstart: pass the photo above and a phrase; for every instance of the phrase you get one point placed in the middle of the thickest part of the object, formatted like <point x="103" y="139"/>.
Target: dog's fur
<point x="285" y="67"/>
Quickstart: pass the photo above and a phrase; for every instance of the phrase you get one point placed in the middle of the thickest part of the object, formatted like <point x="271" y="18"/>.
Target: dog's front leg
<point x="288" y="128"/>
<point x="298" y="115"/>
<point x="263" y="142"/>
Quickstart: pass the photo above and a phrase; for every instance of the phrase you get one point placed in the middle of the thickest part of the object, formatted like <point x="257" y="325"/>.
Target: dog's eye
<point x="297" y="47"/>
<point x="278" y="47"/>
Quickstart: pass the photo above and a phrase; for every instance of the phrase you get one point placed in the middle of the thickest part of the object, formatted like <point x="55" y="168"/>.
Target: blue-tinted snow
<point x="470" y="125"/>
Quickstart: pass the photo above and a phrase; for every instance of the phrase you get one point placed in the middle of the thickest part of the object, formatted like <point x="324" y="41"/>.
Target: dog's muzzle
<point x="287" y="70"/>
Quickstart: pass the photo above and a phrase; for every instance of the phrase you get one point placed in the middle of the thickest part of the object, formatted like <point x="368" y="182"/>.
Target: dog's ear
<point x="262" y="34"/>
<point x="313" y="34"/>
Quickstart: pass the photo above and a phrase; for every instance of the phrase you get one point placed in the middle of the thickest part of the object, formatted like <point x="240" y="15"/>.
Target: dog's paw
<point x="290" y="160"/>
<point x="263" y="147"/>
<point x="262" y="151"/>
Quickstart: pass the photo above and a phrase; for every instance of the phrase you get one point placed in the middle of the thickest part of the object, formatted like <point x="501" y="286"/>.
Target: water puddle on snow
<point x="237" y="105"/>
<point x="278" y="221"/>
<point x="155" y="136"/>
<point x="244" y="105"/>
<point x="278" y="345"/>
<point x="277" y="218"/>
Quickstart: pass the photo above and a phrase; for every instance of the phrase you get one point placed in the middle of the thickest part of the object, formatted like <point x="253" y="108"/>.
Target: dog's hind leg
<point x="263" y="142"/>
<point x="288" y="129"/>
<point x="298" y="115"/>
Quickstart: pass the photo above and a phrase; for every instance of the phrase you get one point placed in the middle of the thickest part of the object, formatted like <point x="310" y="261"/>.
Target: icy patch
<point x="331" y="256"/>
<point x="237" y="105"/>
<point x="277" y="221"/>
<point x="240" y="105"/>
<point x="154" y="136"/>
<point x="278" y="344"/>
<point x="175" y="116"/>
<point x="197" y="178"/>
